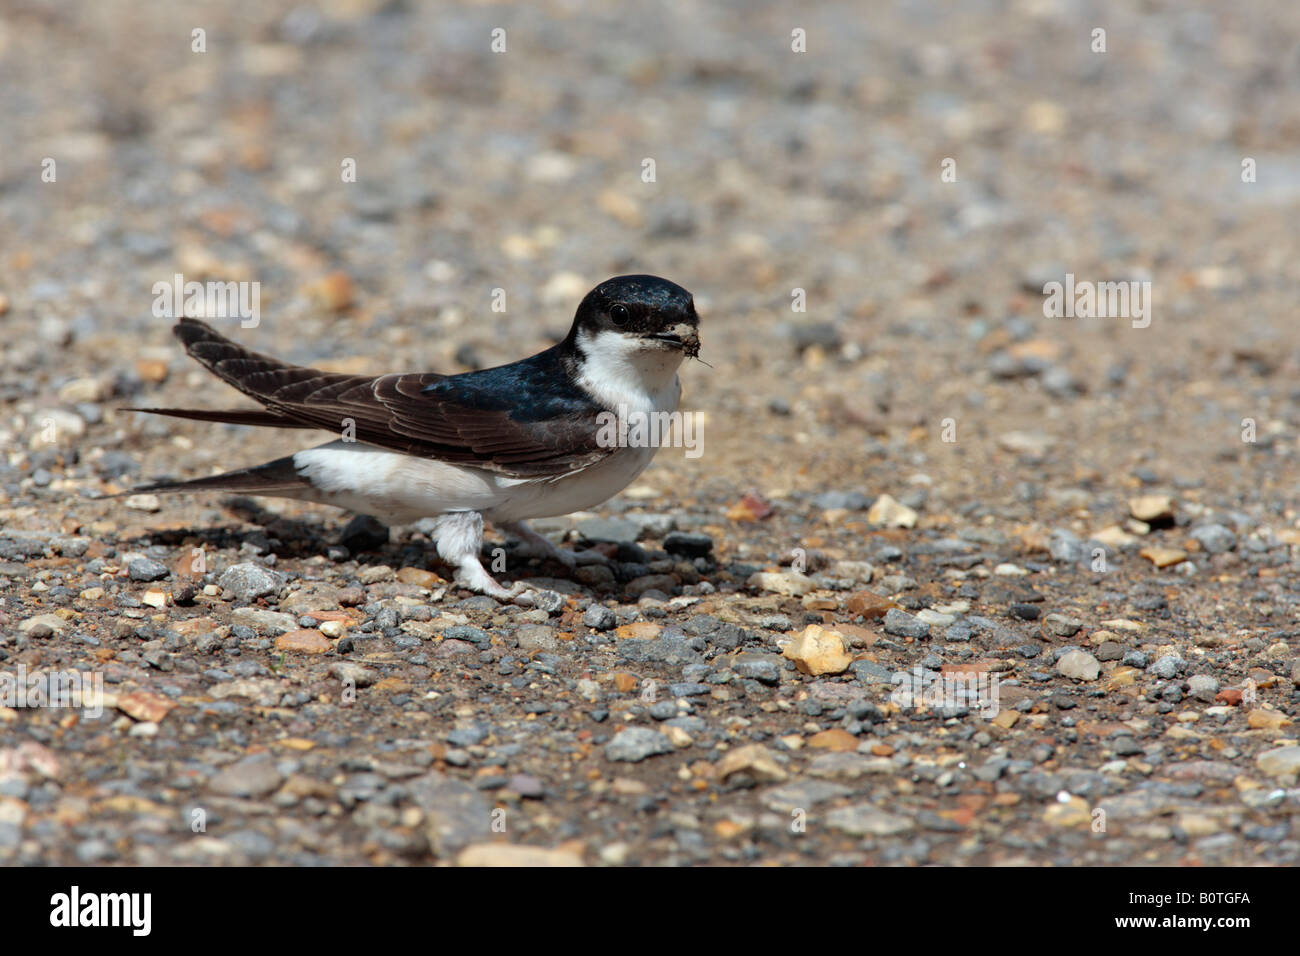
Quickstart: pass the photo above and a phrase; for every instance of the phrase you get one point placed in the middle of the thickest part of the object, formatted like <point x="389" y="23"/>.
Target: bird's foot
<point x="533" y="545"/>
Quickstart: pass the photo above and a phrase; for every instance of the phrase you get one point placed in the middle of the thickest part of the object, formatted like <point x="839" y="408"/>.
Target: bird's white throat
<point x="619" y="369"/>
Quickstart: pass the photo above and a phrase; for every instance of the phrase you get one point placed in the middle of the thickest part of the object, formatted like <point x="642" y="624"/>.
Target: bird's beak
<point x="684" y="335"/>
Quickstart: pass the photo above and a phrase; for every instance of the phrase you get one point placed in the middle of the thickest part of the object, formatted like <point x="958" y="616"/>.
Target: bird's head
<point x="638" y="314"/>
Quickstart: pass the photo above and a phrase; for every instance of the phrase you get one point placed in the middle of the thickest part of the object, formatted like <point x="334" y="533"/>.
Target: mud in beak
<point x="684" y="336"/>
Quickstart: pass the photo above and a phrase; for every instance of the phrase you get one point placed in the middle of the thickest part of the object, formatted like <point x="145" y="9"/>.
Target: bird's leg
<point x="460" y="536"/>
<point x="534" y="545"/>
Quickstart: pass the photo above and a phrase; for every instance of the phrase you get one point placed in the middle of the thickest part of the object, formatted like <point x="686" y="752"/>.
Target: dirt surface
<point x="1095" y="517"/>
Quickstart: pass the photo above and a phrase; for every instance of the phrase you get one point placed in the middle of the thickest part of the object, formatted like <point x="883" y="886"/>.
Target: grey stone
<point x="863" y="819"/>
<point x="1167" y="667"/>
<point x="599" y="618"/>
<point x="254" y="776"/>
<point x="763" y="668"/>
<point x="901" y="624"/>
<point x="250" y="581"/>
<point x="146" y="569"/>
<point x="802" y="794"/>
<point x="456" y="814"/>
<point x="634" y="744"/>
<point x="1215" y="538"/>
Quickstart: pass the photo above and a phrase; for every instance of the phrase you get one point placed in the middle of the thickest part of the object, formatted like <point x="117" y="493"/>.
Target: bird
<point x="505" y="444"/>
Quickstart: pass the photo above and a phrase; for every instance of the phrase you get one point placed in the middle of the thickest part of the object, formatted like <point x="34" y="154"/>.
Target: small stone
<point x="1110" y="651"/>
<point x="1167" y="667"/>
<point x="863" y="819"/>
<point x="1071" y="812"/>
<point x="839" y="741"/>
<point x="789" y="582"/>
<point x="1080" y="665"/>
<point x="264" y="621"/>
<point x="146" y="569"/>
<point x="303" y="641"/>
<point x="753" y="759"/>
<point x="890" y="513"/>
<point x="637" y="743"/>
<point x="254" y="776"/>
<point x="901" y="624"/>
<point x="374" y="574"/>
<point x="1152" y="509"/>
<point x="760" y="667"/>
<point x="599" y="618"/>
<point x="250" y="581"/>
<point x="1261" y="719"/>
<point x="818" y="651"/>
<point x="639" y="630"/>
<point x="625" y="683"/>
<point x="1280" y="761"/>
<point x="145" y="705"/>
<point x="1163" y="557"/>
<point x="419" y="577"/>
<point x="537" y="637"/>
<point x="688" y="545"/>
<point x="1060" y="625"/>
<point x="1215" y="538"/>
<point x="354" y="674"/>
<point x="869" y="605"/>
<point x="333" y="629"/>
<point x="42" y="625"/>
<point x="516" y="855"/>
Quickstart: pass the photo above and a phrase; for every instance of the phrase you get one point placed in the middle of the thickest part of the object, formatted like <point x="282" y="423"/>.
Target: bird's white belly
<point x="400" y="489"/>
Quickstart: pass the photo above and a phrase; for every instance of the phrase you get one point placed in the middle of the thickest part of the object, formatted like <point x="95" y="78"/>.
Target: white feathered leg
<point x="460" y="536"/>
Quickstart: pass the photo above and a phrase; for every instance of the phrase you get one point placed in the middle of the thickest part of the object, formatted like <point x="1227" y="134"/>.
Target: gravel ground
<point x="951" y="583"/>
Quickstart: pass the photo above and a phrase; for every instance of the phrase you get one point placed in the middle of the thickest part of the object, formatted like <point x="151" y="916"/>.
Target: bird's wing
<point x="471" y="419"/>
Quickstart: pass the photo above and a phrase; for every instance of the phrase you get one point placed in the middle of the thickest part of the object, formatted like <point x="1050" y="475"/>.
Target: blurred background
<point x="775" y="171"/>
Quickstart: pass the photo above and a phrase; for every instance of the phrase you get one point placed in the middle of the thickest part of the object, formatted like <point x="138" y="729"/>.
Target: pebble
<point x="248" y="581"/>
<point x="1080" y="665"/>
<point x="818" y="651"/>
<point x="1215" y="538"/>
<point x="1152" y="509"/>
<point x="1167" y="667"/>
<point x="1060" y="625"/>
<point x="863" y="819"/>
<point x="890" y="513"/>
<point x="517" y="855"/>
<point x="688" y="544"/>
<point x="635" y="744"/>
<point x="304" y="641"/>
<point x="901" y="624"/>
<point x="254" y="776"/>
<point x="146" y="569"/>
<point x="760" y="667"/>
<point x="786" y="582"/>
<point x="1280" y="761"/>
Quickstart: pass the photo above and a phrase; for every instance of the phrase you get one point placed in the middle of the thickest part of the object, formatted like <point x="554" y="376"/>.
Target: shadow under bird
<point x="504" y="444"/>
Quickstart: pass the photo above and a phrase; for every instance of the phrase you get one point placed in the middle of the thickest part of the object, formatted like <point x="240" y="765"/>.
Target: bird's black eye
<point x="619" y="314"/>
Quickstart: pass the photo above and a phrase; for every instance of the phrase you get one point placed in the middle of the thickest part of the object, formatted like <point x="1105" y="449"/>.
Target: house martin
<point x="504" y="444"/>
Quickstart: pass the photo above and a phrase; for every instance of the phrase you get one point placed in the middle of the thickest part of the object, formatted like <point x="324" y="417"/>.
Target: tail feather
<point x="231" y="416"/>
<point x="279" y="477"/>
